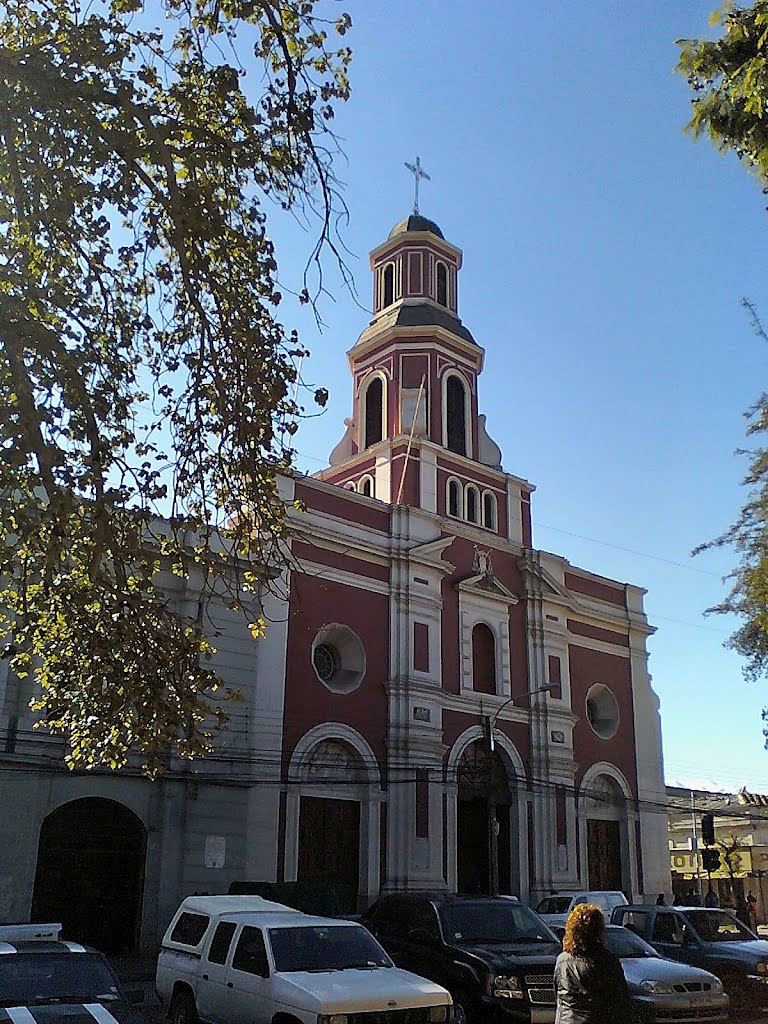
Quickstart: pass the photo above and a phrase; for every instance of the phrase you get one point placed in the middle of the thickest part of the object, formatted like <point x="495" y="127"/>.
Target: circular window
<point x="326" y="660"/>
<point x="338" y="658"/>
<point x="602" y="711"/>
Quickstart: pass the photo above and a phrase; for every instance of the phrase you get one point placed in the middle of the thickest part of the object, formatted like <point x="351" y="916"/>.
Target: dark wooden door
<point x="604" y="854"/>
<point x="329" y="846"/>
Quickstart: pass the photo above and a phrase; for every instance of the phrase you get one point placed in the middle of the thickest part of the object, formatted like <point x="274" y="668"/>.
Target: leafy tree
<point x="147" y="389"/>
<point x="729" y="76"/>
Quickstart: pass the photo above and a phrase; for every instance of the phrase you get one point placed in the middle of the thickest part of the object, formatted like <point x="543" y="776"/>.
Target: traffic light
<point x="710" y="859"/>
<point x="708" y="829"/>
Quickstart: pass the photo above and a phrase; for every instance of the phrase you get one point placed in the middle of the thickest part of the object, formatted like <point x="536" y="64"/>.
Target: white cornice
<point x="473" y="351"/>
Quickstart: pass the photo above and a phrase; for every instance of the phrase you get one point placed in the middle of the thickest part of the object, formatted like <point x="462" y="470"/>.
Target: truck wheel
<point x="183" y="1009"/>
<point x="461" y="1014"/>
<point x="736" y="992"/>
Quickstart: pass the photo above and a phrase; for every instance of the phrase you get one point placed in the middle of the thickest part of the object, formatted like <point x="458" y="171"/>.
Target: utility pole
<point x="695" y="826"/>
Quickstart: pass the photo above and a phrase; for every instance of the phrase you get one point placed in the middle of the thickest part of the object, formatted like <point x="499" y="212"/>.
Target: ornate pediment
<point x="483" y="582"/>
<point x="432" y="554"/>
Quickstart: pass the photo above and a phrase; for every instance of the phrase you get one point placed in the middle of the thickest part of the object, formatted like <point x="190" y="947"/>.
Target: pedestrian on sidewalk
<point x="589" y="982"/>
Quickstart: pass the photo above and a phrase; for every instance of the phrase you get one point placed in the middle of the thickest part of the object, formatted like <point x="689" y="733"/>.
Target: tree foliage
<point x="147" y="388"/>
<point x="729" y="77"/>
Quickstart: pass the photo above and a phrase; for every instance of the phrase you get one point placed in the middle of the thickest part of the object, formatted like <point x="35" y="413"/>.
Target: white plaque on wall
<point x="215" y="851"/>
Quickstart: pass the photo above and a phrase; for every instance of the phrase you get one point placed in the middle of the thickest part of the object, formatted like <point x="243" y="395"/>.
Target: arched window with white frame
<point x="489" y="510"/>
<point x="388" y="285"/>
<point x="374" y="406"/>
<point x="441" y="284"/>
<point x="472" y="504"/>
<point x="455" y="413"/>
<point x="366" y="487"/>
<point x="350" y="486"/>
<point x="483" y="659"/>
<point x="453" y="499"/>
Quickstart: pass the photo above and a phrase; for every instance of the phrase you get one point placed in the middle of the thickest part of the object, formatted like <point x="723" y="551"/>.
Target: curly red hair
<point x="584" y="929"/>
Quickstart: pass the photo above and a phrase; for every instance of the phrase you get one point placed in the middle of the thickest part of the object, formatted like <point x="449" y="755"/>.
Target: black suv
<point x="712" y="939"/>
<point x="494" y="955"/>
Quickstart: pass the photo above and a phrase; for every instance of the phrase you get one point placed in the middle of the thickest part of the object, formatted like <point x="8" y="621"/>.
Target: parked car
<point x="43" y="979"/>
<point x="555" y="909"/>
<point x="663" y="989"/>
<point x="493" y="954"/>
<point x="708" y="938"/>
<point x="242" y="958"/>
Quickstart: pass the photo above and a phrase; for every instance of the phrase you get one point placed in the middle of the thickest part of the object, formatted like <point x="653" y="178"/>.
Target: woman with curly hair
<point x="589" y="981"/>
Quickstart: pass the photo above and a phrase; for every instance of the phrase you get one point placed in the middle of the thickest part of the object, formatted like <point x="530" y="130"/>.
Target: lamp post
<point x="493" y="824"/>
<point x="491" y="719"/>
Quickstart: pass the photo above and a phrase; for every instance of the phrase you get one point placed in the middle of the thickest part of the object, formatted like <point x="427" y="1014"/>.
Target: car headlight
<point x="332" y="1018"/>
<point x="660" y="988"/>
<point x="505" y="987"/>
<point x="438" y="1014"/>
<point x="762" y="967"/>
<point x="717" y="985"/>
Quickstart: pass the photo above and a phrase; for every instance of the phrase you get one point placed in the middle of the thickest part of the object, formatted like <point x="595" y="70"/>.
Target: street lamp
<point x="491" y="719"/>
<point x="493" y="825"/>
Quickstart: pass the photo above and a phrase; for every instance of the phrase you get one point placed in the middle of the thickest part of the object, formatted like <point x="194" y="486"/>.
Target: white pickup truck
<point x="244" y="960"/>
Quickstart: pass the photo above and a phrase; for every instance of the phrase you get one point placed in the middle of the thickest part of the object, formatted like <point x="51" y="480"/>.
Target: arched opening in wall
<point x="90" y="873"/>
<point x="472" y="503"/>
<point x="486" y="820"/>
<point x="607" y="835"/>
<point x="329" y="826"/>
<point x="389" y="285"/>
<point x="442" y="284"/>
<point x="489" y="511"/>
<point x="454" y="502"/>
<point x="483" y="659"/>
<point x="456" y="415"/>
<point x="366" y="486"/>
<point x="374" y="408"/>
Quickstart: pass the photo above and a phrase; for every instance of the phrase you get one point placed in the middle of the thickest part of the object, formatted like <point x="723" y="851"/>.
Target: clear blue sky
<point x="604" y="259"/>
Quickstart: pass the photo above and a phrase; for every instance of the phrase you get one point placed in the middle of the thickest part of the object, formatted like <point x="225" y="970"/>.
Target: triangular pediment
<point x="484" y="585"/>
<point x="431" y="554"/>
<point x="551" y="589"/>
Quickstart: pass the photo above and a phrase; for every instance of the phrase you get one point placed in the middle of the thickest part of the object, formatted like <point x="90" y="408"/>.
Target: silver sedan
<point x="665" y="990"/>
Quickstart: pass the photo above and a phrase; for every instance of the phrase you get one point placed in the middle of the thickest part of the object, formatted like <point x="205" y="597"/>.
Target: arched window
<point x="489" y="510"/>
<point x="366" y="486"/>
<point x="454" y="498"/>
<point x="374" y="405"/>
<point x="442" y="284"/>
<point x="483" y="659"/>
<point x="456" y="415"/>
<point x="389" y="284"/>
<point x="350" y="485"/>
<point x="472" y="503"/>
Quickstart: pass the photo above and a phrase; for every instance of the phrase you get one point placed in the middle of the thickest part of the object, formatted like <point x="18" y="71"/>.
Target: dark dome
<point x="416" y="223"/>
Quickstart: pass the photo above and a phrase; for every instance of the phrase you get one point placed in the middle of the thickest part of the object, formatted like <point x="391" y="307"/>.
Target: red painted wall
<point x="586" y="668"/>
<point x="315" y="602"/>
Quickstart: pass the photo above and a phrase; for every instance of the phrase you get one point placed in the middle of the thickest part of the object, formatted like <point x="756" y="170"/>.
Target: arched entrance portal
<point x="483" y="823"/>
<point x="90" y="873"/>
<point x="606" y="812"/>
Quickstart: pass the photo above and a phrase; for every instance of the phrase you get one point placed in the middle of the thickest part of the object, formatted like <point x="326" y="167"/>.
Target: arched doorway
<point x="329" y="823"/>
<point x="90" y="873"/>
<point x="483" y="823"/>
<point x="606" y="814"/>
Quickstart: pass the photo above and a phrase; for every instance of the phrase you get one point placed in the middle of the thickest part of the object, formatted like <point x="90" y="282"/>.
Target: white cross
<point x="418" y="173"/>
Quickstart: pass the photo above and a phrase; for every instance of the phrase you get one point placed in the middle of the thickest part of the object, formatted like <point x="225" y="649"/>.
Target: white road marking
<point x="20" y="1015"/>
<point x="98" y="1012"/>
<point x="75" y="947"/>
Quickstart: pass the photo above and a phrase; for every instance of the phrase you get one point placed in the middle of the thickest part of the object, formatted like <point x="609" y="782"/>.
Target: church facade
<point x="437" y="703"/>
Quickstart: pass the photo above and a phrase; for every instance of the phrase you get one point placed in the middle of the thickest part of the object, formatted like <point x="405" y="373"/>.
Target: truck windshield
<point x="717" y="926"/>
<point x="492" y="923"/>
<point x="554" y="905"/>
<point x="326" y="948"/>
<point x="34" y="979"/>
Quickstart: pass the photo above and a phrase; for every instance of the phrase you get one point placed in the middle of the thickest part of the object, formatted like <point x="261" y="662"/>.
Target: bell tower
<point x="415" y="436"/>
